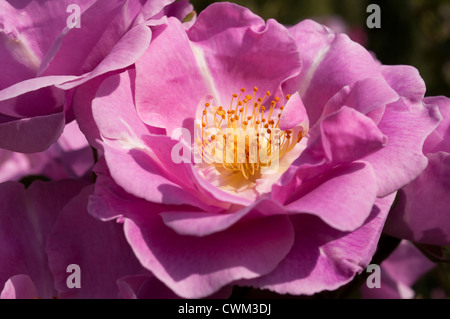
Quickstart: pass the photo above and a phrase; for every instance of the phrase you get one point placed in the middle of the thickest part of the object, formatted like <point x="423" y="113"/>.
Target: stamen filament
<point x="236" y="119"/>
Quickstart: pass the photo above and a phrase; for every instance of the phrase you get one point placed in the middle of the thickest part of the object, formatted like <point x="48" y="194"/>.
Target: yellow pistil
<point x="227" y="136"/>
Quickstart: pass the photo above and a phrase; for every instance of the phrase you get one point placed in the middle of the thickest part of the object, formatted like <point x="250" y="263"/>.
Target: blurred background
<point x="413" y="32"/>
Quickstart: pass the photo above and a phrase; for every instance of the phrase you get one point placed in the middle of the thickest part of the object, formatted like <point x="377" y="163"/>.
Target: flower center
<point x="246" y="138"/>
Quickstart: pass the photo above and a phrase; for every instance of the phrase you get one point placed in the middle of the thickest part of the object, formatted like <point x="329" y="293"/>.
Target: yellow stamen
<point x="238" y="122"/>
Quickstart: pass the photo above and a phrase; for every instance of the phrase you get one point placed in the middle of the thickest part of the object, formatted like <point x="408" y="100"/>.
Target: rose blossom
<point x="41" y="58"/>
<point x="351" y="133"/>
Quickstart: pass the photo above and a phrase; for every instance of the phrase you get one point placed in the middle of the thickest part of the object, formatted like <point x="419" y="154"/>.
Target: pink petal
<point x="294" y="114"/>
<point x="330" y="62"/>
<point x="197" y="267"/>
<point x="82" y="108"/>
<point x="69" y="157"/>
<point x="144" y="287"/>
<point x="368" y="96"/>
<point x="33" y="97"/>
<point x="348" y="135"/>
<point x="103" y="24"/>
<point x="110" y="201"/>
<point x="206" y="223"/>
<point x="407" y="264"/>
<point x="127" y="51"/>
<point x="170" y="57"/>
<point x="14" y="166"/>
<point x="323" y="258"/>
<point x="19" y="287"/>
<point x="439" y="139"/>
<point x="98" y="248"/>
<point x="398" y="274"/>
<point x="152" y="9"/>
<point x="130" y="149"/>
<point x="405" y="80"/>
<point x="180" y="9"/>
<point x="27" y="31"/>
<point x="341" y="137"/>
<point x="26" y="219"/>
<point x="342" y="197"/>
<point x="238" y="50"/>
<point x="401" y="160"/>
<point x="422" y="212"/>
<point x="30" y="135"/>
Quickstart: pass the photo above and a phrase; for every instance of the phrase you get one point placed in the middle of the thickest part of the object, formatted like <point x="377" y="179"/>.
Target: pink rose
<point x="43" y="57"/>
<point x="351" y="134"/>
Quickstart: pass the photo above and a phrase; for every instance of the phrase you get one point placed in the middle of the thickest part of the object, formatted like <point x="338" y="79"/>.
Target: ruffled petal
<point x="342" y="197"/>
<point x="422" y="211"/>
<point x="323" y="258"/>
<point x="26" y="219"/>
<point x="197" y="267"/>
<point x="98" y="248"/>
<point x="401" y="160"/>
<point x="29" y="135"/>
<point x="439" y="139"/>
